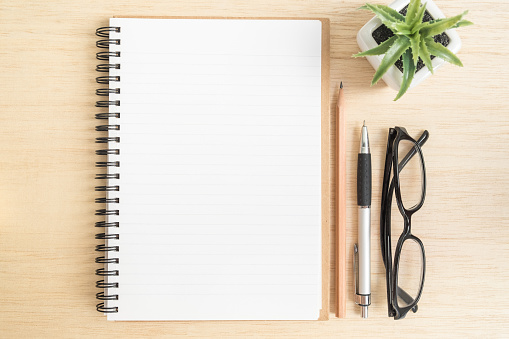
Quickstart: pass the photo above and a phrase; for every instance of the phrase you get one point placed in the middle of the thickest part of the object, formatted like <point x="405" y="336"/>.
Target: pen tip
<point x="341" y="84"/>
<point x="364" y="123"/>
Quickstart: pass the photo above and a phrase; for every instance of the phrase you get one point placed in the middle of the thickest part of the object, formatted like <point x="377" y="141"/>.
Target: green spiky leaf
<point x="420" y="25"/>
<point x="419" y="16"/>
<point x="462" y="23"/>
<point x="397" y="15"/>
<point x="380" y="49"/>
<point x="425" y="56"/>
<point x="408" y="74"/>
<point x="440" y="26"/>
<point x="399" y="46"/>
<point x="387" y="17"/>
<point x="412" y="9"/>
<point x="440" y="51"/>
<point x="402" y="29"/>
<point x="415" y="44"/>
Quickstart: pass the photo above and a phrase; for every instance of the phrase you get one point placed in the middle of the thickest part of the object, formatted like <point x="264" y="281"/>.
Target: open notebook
<point x="216" y="169"/>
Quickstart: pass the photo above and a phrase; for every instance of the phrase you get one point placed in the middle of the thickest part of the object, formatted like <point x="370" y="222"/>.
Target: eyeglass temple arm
<point x="420" y="142"/>
<point x="406" y="298"/>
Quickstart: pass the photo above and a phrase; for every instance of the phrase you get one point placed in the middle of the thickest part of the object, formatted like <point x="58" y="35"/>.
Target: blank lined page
<point x="220" y="162"/>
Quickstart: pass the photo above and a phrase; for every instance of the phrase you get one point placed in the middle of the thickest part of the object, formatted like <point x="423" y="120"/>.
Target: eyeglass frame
<point x="391" y="162"/>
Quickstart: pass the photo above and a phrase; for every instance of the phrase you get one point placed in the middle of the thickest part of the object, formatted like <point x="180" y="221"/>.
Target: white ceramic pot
<point x="394" y="77"/>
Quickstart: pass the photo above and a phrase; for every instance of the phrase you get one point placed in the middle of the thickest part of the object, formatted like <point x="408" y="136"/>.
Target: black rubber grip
<point x="364" y="180"/>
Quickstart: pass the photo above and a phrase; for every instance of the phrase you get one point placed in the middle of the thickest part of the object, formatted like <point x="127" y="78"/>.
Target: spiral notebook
<point x="215" y="192"/>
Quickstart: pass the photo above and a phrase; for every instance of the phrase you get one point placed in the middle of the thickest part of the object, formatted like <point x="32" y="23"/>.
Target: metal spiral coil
<point x="106" y="91"/>
<point x="107" y="79"/>
<point x="103" y="309"/>
<point x="106" y="200"/>
<point x="105" y="140"/>
<point x="108" y="176"/>
<point x="106" y="224"/>
<point x="102" y="296"/>
<point x="107" y="272"/>
<point x="106" y="55"/>
<point x="104" y="32"/>
<point x="102" y="128"/>
<point x="107" y="164"/>
<point x="104" y="273"/>
<point x="104" y="248"/>
<point x="104" y="260"/>
<point x="107" y="151"/>
<point x="107" y="212"/>
<point x="107" y="236"/>
<point x="105" y="284"/>
<point x="107" y="103"/>
<point x="105" y="43"/>
<point x="106" y="67"/>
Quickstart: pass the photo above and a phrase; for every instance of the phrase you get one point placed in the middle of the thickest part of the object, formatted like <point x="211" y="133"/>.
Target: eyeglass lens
<point x="409" y="272"/>
<point x="411" y="175"/>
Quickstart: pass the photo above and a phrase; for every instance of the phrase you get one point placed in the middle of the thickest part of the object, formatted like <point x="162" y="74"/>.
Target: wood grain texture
<point x="46" y="178"/>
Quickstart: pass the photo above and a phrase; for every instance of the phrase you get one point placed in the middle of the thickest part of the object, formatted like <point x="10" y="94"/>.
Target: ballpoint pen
<point x="362" y="251"/>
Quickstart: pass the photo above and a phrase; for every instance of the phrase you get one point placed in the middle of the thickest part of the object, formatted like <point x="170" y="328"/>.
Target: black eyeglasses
<point x="405" y="174"/>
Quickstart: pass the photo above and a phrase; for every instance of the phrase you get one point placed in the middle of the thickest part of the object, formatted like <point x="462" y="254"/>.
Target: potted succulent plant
<point x="408" y="40"/>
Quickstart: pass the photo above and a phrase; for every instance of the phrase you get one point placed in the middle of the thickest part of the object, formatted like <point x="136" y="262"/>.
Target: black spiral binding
<point x="108" y="251"/>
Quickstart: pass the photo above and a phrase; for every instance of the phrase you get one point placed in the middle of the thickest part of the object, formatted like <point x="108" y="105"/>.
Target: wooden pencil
<point x="340" y="205"/>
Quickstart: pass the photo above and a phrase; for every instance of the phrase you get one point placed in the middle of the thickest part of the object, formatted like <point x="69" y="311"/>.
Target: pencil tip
<point x="341" y="84"/>
<point x="364" y="123"/>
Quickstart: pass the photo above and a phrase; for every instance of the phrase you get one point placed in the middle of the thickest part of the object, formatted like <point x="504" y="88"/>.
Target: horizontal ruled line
<point x="274" y="255"/>
<point x="219" y="284"/>
<point x="229" y="194"/>
<point x="222" y="234"/>
<point x="219" y="164"/>
<point x="233" y="64"/>
<point x="216" y="214"/>
<point x="208" y="293"/>
<point x="202" y="185"/>
<point x="205" y="243"/>
<point x="221" y="154"/>
<point x="220" y="54"/>
<point x="210" y="104"/>
<point x="236" y="175"/>
<point x="221" y="224"/>
<point x="225" y="204"/>
<point x="124" y="73"/>
<point x="201" y="95"/>
<point x="220" y="124"/>
<point x="215" y="84"/>
<point x="216" y="114"/>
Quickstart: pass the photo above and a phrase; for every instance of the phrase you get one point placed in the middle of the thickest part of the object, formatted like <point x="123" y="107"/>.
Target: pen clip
<point x="356" y="269"/>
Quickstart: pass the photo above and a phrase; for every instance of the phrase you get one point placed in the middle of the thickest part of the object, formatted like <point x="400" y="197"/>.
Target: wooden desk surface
<point x="47" y="61"/>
